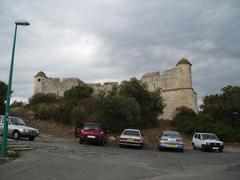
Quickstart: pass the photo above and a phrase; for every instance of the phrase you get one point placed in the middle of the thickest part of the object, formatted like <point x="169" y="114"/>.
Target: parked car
<point x="131" y="137"/>
<point x="17" y="128"/>
<point x="170" y="140"/>
<point x="207" y="141"/>
<point x="92" y="133"/>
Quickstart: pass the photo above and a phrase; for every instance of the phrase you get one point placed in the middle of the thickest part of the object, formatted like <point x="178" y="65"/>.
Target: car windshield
<point x="92" y="127"/>
<point x="209" y="136"/>
<point x="17" y="121"/>
<point x="131" y="133"/>
<point x="171" y="134"/>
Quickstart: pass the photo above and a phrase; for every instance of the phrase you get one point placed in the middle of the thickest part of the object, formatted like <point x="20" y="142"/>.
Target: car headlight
<point x="25" y="130"/>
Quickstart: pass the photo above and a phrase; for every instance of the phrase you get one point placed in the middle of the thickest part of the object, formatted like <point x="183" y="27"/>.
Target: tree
<point x="78" y="92"/>
<point x="118" y="112"/>
<point x="3" y="94"/>
<point x="151" y="103"/>
<point x="225" y="106"/>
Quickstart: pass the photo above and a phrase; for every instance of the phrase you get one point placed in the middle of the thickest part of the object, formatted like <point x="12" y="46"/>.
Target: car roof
<point x="131" y="129"/>
<point x="171" y="132"/>
<point x="91" y="123"/>
<point x="203" y="133"/>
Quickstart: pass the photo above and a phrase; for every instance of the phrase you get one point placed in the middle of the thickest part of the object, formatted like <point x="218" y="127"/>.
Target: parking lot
<point x="62" y="159"/>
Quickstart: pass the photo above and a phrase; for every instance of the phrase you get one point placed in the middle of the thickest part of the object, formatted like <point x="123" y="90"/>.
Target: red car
<point x="92" y="133"/>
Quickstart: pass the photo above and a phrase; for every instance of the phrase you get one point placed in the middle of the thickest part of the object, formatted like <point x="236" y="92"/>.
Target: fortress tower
<point x="175" y="86"/>
<point x="44" y="84"/>
<point x="39" y="79"/>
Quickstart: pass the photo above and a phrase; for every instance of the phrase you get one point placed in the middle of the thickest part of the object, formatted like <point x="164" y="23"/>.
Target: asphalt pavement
<point x="63" y="159"/>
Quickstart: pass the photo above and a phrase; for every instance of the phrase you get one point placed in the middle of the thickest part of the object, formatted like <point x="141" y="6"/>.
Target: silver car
<point x="17" y="128"/>
<point x="170" y="140"/>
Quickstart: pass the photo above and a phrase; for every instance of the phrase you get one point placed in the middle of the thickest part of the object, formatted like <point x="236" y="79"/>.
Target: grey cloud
<point x="114" y="40"/>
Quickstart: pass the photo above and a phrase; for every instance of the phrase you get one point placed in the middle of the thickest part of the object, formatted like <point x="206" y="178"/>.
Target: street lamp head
<point x="22" y="23"/>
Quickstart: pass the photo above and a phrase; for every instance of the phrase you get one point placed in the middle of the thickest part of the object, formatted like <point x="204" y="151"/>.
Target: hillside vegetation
<point x="220" y="114"/>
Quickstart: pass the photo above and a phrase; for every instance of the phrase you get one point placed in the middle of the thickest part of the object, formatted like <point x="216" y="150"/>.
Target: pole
<point x="7" y="109"/>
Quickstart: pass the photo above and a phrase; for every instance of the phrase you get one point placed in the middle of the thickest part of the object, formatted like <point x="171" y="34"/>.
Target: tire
<point x="203" y="148"/>
<point x="194" y="147"/>
<point x="31" y="138"/>
<point x="181" y="150"/>
<point x="221" y="150"/>
<point x="80" y="142"/>
<point x="141" y="146"/>
<point x="102" y="143"/>
<point x="120" y="145"/>
<point x="16" y="135"/>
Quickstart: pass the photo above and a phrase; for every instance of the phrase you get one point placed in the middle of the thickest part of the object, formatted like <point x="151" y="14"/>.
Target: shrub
<point x="78" y="114"/>
<point x="17" y="104"/>
<point x="188" y="122"/>
<point x="43" y="98"/>
<point x="78" y="92"/>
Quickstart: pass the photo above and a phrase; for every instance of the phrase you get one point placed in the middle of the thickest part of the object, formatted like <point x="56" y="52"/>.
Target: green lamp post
<point x="9" y="91"/>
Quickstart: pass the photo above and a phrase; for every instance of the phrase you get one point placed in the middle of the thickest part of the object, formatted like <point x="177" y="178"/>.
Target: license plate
<point x="172" y="145"/>
<point x="130" y="140"/>
<point x="215" y="148"/>
<point x="91" y="137"/>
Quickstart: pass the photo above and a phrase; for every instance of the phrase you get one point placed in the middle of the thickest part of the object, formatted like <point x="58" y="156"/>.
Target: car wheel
<point x="80" y="142"/>
<point x="31" y="138"/>
<point x="102" y="143"/>
<point x="221" y="150"/>
<point x="203" y="148"/>
<point x="194" y="147"/>
<point x="120" y="145"/>
<point x="141" y="146"/>
<point x="160" y="148"/>
<point x="16" y="135"/>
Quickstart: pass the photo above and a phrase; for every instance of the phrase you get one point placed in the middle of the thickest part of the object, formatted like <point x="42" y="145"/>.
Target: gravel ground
<point x="60" y="159"/>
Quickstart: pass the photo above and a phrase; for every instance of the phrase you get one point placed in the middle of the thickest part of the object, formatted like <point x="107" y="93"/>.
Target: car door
<point x="10" y="126"/>
<point x="2" y="125"/>
<point x="198" y="141"/>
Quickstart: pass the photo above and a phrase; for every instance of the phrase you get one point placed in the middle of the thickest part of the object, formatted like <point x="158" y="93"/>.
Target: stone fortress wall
<point x="175" y="86"/>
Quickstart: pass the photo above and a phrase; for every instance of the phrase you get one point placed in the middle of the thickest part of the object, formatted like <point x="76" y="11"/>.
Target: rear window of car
<point x="171" y="134"/>
<point x="92" y="127"/>
<point x="131" y="133"/>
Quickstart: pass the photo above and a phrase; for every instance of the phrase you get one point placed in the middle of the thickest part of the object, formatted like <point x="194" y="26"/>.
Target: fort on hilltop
<point x="175" y="87"/>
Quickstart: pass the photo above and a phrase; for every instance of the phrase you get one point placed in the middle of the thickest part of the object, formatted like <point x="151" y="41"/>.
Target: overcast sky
<point x="108" y="40"/>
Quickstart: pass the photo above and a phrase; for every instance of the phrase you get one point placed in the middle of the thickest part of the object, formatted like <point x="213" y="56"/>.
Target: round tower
<point x="185" y="73"/>
<point x="38" y="82"/>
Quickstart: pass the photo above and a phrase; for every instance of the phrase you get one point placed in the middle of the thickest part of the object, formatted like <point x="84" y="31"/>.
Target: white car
<point x="17" y="128"/>
<point x="207" y="141"/>
<point x="131" y="137"/>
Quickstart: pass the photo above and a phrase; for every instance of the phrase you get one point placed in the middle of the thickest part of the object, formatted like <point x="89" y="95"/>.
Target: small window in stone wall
<point x="39" y="80"/>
